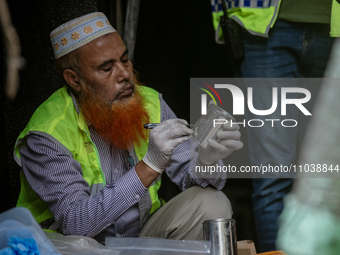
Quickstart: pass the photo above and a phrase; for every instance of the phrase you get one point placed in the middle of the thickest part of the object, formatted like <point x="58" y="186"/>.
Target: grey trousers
<point x="181" y="218"/>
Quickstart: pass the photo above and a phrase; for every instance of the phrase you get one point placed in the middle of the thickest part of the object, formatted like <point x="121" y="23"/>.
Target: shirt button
<point x="137" y="197"/>
<point x="115" y="171"/>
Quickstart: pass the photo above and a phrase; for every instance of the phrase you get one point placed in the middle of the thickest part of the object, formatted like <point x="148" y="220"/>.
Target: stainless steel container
<point x="222" y="235"/>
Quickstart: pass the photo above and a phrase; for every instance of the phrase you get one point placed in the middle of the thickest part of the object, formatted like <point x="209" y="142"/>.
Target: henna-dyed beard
<point x="120" y="122"/>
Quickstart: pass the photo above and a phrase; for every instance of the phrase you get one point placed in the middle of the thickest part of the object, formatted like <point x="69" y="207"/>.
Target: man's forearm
<point x="67" y="193"/>
<point x="145" y="173"/>
<point x="94" y="213"/>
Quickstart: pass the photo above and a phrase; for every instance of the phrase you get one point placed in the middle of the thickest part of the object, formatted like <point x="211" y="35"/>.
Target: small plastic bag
<point x="157" y="246"/>
<point x="17" y="228"/>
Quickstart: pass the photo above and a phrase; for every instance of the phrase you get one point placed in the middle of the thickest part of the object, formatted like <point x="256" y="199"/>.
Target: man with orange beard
<point x="89" y="166"/>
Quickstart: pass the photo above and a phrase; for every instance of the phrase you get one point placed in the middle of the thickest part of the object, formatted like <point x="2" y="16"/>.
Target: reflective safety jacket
<point x="59" y="120"/>
<point x="258" y="16"/>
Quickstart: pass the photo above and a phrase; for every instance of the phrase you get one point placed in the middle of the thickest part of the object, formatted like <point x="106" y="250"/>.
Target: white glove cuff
<point x="152" y="165"/>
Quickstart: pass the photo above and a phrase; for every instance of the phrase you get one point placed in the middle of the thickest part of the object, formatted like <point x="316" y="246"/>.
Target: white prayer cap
<point x="78" y="32"/>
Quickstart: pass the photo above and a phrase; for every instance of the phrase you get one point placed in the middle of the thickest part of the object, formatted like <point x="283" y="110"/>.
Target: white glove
<point x="228" y="140"/>
<point x="162" y="141"/>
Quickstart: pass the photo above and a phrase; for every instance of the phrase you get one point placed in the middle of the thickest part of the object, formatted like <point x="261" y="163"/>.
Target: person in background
<point x="282" y="39"/>
<point x="309" y="223"/>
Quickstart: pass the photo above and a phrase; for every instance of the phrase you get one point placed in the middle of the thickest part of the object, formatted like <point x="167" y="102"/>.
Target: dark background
<point x="175" y="42"/>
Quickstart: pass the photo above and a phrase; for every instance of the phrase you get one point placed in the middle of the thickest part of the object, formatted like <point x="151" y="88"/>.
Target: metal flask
<point x="222" y="236"/>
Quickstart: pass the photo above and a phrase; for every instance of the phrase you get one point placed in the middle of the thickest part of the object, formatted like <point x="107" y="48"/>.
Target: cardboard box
<point x="246" y="247"/>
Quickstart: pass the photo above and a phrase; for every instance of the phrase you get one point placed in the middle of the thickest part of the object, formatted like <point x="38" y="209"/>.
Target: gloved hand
<point x="162" y="141"/>
<point x="228" y="140"/>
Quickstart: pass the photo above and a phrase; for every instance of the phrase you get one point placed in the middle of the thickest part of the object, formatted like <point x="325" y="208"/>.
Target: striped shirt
<point x="113" y="211"/>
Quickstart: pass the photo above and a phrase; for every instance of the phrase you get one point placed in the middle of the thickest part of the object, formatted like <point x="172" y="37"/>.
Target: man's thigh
<point x="182" y="217"/>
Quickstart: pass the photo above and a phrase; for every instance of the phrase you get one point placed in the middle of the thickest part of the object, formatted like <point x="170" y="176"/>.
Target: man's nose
<point x="123" y="72"/>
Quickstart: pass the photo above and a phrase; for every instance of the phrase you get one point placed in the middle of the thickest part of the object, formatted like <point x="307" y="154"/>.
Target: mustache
<point x="127" y="85"/>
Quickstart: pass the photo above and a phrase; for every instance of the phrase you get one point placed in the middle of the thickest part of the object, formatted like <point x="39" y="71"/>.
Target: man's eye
<point x="125" y="60"/>
<point x="107" y="69"/>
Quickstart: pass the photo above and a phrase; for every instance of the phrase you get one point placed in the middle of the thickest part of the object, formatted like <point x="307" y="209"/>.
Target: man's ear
<point x="72" y="78"/>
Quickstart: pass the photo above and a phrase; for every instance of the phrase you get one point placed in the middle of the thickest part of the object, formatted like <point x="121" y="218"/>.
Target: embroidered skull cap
<point x="78" y="32"/>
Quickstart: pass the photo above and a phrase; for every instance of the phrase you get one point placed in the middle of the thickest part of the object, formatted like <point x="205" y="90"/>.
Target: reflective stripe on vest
<point x="48" y="121"/>
<point x="217" y="4"/>
<point x="256" y="16"/>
